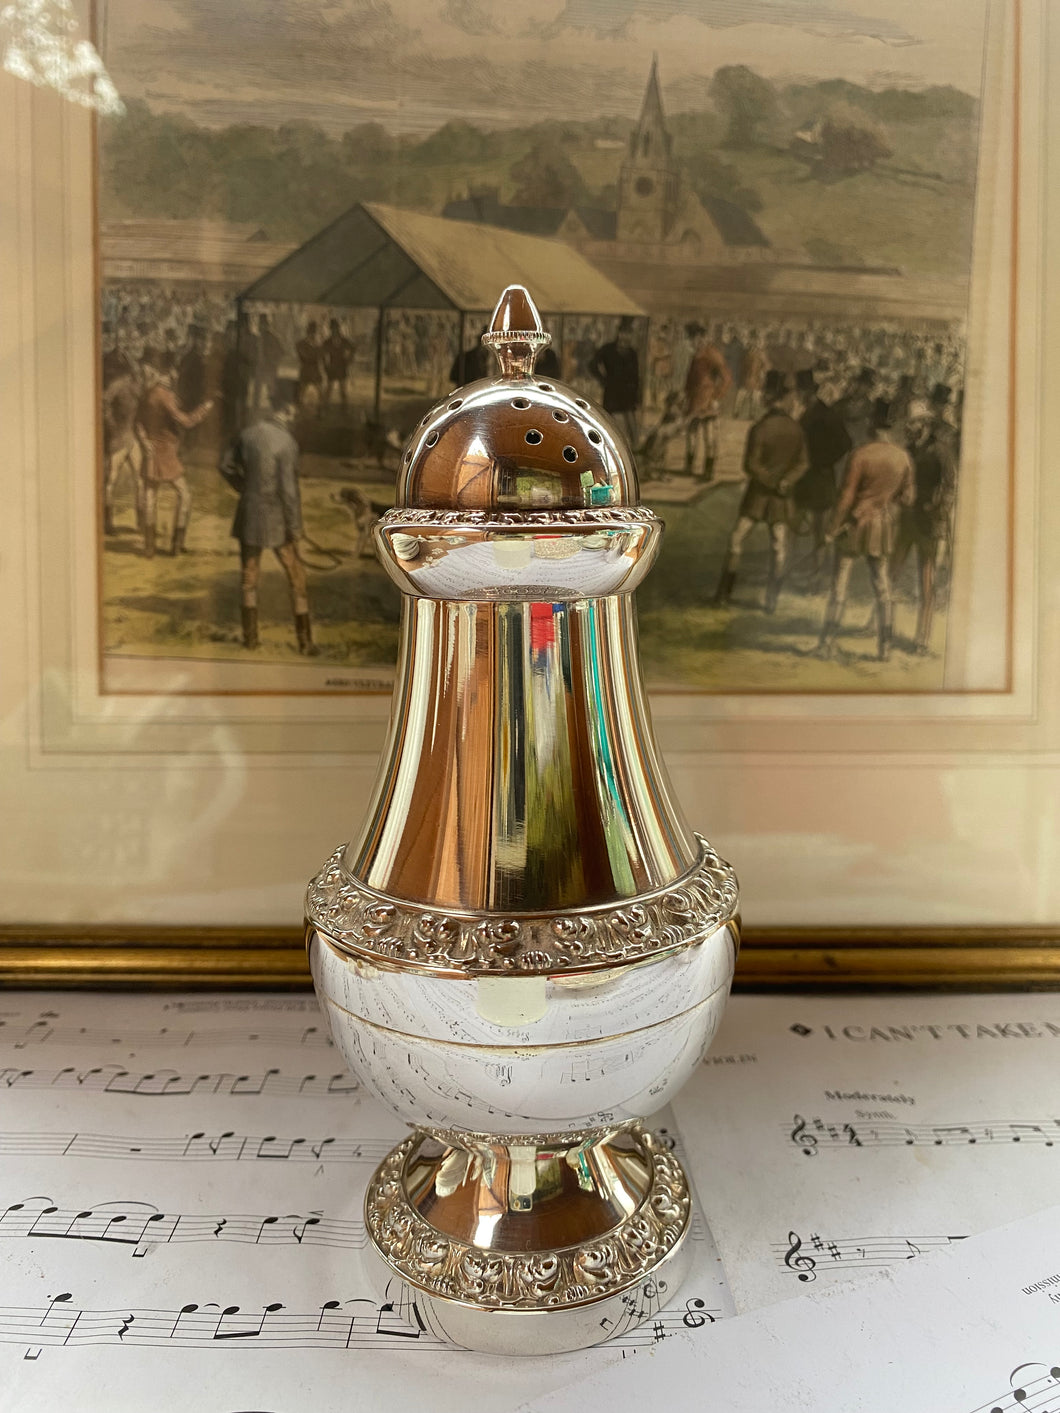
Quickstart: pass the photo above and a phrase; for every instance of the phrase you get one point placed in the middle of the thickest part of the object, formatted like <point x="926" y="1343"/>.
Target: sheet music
<point x="972" y="1329"/>
<point x="181" y="1189"/>
<point x="877" y="1129"/>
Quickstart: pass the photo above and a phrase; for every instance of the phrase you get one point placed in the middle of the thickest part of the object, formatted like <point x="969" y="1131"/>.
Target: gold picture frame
<point x="771" y="958"/>
<point x="967" y="824"/>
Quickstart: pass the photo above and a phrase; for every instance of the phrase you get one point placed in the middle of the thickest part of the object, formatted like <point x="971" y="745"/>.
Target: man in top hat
<point x="660" y="362"/>
<point x="122" y="450"/>
<point x="235" y="374"/>
<point x="827" y="442"/>
<point x="472" y="363"/>
<point x="903" y="401"/>
<point x="310" y="354"/>
<point x="268" y="354"/>
<point x="733" y="350"/>
<point x="262" y="465"/>
<point x="926" y="524"/>
<point x="192" y="385"/>
<point x="707" y="382"/>
<point x="116" y="360"/>
<point x="855" y="407"/>
<point x="168" y="356"/>
<point x="616" y="366"/>
<point x="748" y="401"/>
<point x="877" y="482"/>
<point x="338" y="355"/>
<point x="774" y="461"/>
<point x="150" y="352"/>
<point x="547" y="364"/>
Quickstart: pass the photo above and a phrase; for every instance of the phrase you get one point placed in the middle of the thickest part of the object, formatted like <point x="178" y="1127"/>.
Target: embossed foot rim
<point x="540" y="1301"/>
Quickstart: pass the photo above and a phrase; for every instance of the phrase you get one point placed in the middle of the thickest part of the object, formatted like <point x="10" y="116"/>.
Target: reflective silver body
<point x="525" y="1055"/>
<point x="525" y="950"/>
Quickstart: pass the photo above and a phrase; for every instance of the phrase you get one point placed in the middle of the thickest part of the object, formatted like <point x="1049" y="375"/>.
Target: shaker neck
<point x="521" y="772"/>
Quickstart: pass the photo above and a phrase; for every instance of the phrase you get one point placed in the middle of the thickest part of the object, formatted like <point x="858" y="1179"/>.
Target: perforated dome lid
<point x="516" y="442"/>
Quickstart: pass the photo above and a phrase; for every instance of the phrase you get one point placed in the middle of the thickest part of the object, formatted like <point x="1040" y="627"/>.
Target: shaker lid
<point x="516" y="441"/>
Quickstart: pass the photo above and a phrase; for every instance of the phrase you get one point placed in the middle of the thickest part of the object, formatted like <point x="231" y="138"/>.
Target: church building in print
<point x="678" y="252"/>
<point x="649" y="185"/>
<point x="656" y="214"/>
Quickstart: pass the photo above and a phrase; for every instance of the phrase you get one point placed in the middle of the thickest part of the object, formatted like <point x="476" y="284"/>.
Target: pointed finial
<point x="516" y="334"/>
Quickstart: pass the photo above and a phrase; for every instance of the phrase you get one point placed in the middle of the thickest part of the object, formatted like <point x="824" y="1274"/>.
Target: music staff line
<point x="113" y="1079"/>
<point x="803" y="1258"/>
<point x="810" y="1136"/>
<point x="45" y="1032"/>
<point x="1028" y="1390"/>
<point x="336" y="1325"/>
<point x="196" y="1147"/>
<point x="140" y="1226"/>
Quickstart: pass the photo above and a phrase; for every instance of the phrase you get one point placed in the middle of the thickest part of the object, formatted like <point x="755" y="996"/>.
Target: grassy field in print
<point x="190" y="606"/>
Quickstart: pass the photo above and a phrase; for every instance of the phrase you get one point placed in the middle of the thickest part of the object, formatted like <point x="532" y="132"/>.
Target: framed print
<point x="740" y="223"/>
<point x="838" y="217"/>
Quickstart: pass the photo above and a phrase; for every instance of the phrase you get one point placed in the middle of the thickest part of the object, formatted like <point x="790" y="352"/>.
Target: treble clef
<point x="696" y="1315"/>
<point x="804" y="1140"/>
<point x="804" y="1266"/>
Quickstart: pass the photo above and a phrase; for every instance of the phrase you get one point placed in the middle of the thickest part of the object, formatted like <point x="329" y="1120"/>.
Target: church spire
<point x="648" y="184"/>
<point x="652" y="119"/>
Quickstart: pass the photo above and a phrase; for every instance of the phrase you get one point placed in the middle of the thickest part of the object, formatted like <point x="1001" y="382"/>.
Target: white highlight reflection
<point x="40" y="44"/>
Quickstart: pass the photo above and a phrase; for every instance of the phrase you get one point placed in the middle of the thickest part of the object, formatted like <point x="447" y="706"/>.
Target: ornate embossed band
<point x="549" y="555"/>
<point x="531" y="1280"/>
<point x="360" y="920"/>
<point x="594" y="517"/>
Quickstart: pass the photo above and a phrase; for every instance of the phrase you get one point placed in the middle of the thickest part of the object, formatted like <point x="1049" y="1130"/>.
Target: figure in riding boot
<point x="877" y="483"/>
<point x="262" y="465"/>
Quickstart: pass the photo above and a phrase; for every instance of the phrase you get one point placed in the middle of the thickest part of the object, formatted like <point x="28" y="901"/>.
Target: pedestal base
<point x="532" y="1245"/>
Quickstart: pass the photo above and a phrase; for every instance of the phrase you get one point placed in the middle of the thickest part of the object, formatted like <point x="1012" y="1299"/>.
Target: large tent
<point x="381" y="257"/>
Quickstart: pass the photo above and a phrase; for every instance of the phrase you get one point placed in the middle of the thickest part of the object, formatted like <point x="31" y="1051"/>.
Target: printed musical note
<point x="199" y="1147"/>
<point x="359" y="1324"/>
<point x="43" y="1032"/>
<point x="201" y="1326"/>
<point x="245" y="1327"/>
<point x="112" y="1079"/>
<point x="1027" y="1390"/>
<point x="854" y="1252"/>
<point x="798" y="1260"/>
<point x="1034" y="1132"/>
<point x="352" y="1324"/>
<point x="953" y="1133"/>
<point x="393" y="1322"/>
<point x="136" y="1224"/>
<point x="886" y="1134"/>
<point x="56" y="1300"/>
<point x="184" y="1310"/>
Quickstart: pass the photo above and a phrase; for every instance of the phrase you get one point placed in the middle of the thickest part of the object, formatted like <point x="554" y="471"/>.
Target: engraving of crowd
<point x="181" y="368"/>
<point x="854" y="440"/>
<point x="854" y="434"/>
